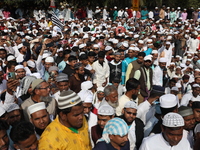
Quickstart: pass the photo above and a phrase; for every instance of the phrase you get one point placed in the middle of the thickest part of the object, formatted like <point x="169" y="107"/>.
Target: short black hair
<point x="71" y="58"/>
<point x="83" y="57"/>
<point x="165" y="111"/>
<point x="141" y="54"/>
<point x="21" y="131"/>
<point x="132" y="83"/>
<point x="101" y="54"/>
<point x="91" y="53"/>
<point x="3" y="125"/>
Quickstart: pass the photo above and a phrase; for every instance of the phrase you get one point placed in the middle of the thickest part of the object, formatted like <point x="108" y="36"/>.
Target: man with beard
<point x="132" y="87"/>
<point x="98" y="97"/>
<point x="39" y="117"/>
<point x="23" y="136"/>
<point x="196" y="110"/>
<point x="40" y="93"/>
<point x="4" y="144"/>
<point x="171" y="136"/>
<point x="144" y="75"/>
<point x="104" y="114"/>
<point x="115" y="136"/>
<point x="111" y="96"/>
<point x="69" y="130"/>
<point x="136" y="126"/>
<point x="188" y="116"/>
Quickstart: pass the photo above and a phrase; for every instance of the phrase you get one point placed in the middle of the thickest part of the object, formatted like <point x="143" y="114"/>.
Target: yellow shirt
<point x="59" y="137"/>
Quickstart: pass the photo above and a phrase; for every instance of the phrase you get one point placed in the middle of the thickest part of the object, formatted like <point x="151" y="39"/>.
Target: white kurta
<point x="187" y="97"/>
<point x="101" y="73"/>
<point x="193" y="45"/>
<point x="157" y="142"/>
<point x="158" y="76"/>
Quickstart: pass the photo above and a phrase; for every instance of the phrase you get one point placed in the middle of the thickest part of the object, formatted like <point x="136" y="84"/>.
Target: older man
<point x="171" y="136"/>
<point x="71" y="122"/>
<point x="40" y="92"/>
<point x="115" y="136"/>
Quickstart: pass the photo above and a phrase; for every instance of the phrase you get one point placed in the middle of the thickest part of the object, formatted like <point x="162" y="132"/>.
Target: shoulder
<point x="101" y="146"/>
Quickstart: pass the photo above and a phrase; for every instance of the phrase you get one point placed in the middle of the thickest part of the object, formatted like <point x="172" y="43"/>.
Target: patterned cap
<point x="12" y="107"/>
<point x="173" y="120"/>
<point x="130" y="104"/>
<point x="68" y="99"/>
<point x="106" y="110"/>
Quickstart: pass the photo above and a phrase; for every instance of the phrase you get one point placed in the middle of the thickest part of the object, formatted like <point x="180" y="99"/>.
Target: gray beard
<point x="114" y="105"/>
<point x="46" y="99"/>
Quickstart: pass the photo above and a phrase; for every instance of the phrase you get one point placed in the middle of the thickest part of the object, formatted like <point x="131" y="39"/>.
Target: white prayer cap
<point x="10" y="57"/>
<point x="148" y="58"/>
<point x="154" y="52"/>
<point x="141" y="41"/>
<point x="60" y="50"/>
<point x="86" y="96"/>
<point x="189" y="60"/>
<point x="163" y="60"/>
<point x="115" y="41"/>
<point x="153" y="36"/>
<point x="197" y="70"/>
<point x="172" y="63"/>
<point x="174" y="89"/>
<point x="36" y="107"/>
<point x="12" y="107"/>
<point x="49" y="60"/>
<point x="126" y="8"/>
<point x="125" y="44"/>
<point x="136" y="49"/>
<point x="173" y="120"/>
<point x="197" y="128"/>
<point x="156" y="7"/>
<point x="106" y="110"/>
<point x="86" y="85"/>
<point x="45" y="55"/>
<point x="168" y="101"/>
<point x="149" y="40"/>
<point x="31" y="64"/>
<point x="97" y="7"/>
<point x="178" y="85"/>
<point x="175" y="76"/>
<point x="20" y="46"/>
<point x="130" y="104"/>
<point x="96" y="46"/>
<point x="37" y="75"/>
<point x="115" y="7"/>
<point x="168" y="43"/>
<point x="195" y="85"/>
<point x="100" y="89"/>
<point x="107" y="48"/>
<point x="19" y="67"/>
<point x="135" y="36"/>
<point x="81" y="46"/>
<point x="178" y="7"/>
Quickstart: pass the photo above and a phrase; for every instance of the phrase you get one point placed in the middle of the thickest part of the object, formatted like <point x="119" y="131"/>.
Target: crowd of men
<point x="111" y="80"/>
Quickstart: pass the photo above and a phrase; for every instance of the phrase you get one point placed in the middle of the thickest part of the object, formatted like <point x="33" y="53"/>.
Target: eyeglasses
<point x="48" y="87"/>
<point x="130" y="113"/>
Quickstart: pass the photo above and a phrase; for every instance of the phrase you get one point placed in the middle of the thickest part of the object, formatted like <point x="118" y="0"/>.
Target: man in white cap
<point x="158" y="72"/>
<point x="104" y="114"/>
<point x="22" y="52"/>
<point x="49" y="61"/>
<point x="20" y="72"/>
<point x="167" y="53"/>
<point x="71" y="121"/>
<point x="98" y="97"/>
<point x="171" y="136"/>
<point x="144" y="74"/>
<point x="14" y="113"/>
<point x="136" y="126"/>
<point x="39" y="117"/>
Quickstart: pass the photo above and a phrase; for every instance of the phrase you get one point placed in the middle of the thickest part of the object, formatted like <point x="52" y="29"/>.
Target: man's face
<point x="196" y="91"/>
<point x="1" y="76"/>
<point x="2" y="54"/>
<point x="162" y="65"/>
<point x="189" y="122"/>
<point x="112" y="97"/>
<point x="4" y="140"/>
<point x="117" y="58"/>
<point x="81" y="70"/>
<point x="140" y="59"/>
<point x="102" y="120"/>
<point x="129" y="115"/>
<point x="29" y="144"/>
<point x="135" y="92"/>
<point x="91" y="59"/>
<point x="101" y="60"/>
<point x="119" y="140"/>
<point x="63" y="86"/>
<point x="87" y="107"/>
<point x="197" y="80"/>
<point x="47" y="65"/>
<point x="20" y="73"/>
<point x="147" y="63"/>
<point x="43" y="90"/>
<point x="74" y="119"/>
<point x="40" y="119"/>
<point x="100" y="95"/>
<point x="196" y="112"/>
<point x="173" y="136"/>
<point x="131" y="53"/>
<point x="14" y="116"/>
<point x="155" y="56"/>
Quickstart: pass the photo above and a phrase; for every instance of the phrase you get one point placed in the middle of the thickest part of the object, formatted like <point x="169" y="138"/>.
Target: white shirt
<point x="157" y="142"/>
<point x="132" y="136"/>
<point x="105" y="14"/>
<point x="20" y="58"/>
<point x="187" y="97"/>
<point x="193" y="45"/>
<point x="101" y="73"/>
<point x="158" y="76"/>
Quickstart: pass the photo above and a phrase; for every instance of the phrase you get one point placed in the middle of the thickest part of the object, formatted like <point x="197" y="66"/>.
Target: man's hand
<point x="12" y="85"/>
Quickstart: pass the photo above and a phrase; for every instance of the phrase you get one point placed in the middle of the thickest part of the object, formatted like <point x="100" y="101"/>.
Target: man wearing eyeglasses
<point x="40" y="93"/>
<point x="136" y="126"/>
